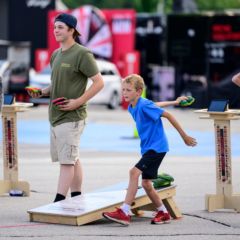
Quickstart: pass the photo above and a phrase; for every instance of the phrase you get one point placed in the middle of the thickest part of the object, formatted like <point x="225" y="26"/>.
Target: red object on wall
<point x="122" y="24"/>
<point x="119" y="41"/>
<point x="42" y="58"/>
<point x="131" y="65"/>
<point x="52" y="44"/>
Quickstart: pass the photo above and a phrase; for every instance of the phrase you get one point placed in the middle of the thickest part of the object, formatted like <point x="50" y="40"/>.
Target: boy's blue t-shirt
<point x="147" y="116"/>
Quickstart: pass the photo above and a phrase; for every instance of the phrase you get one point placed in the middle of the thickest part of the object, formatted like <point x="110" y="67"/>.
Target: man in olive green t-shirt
<point x="72" y="65"/>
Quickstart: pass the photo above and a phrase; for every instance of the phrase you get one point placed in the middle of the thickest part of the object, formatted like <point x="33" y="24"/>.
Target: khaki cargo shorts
<point x="65" y="139"/>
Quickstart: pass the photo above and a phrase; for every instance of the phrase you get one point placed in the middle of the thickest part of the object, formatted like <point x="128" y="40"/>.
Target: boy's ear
<point x="140" y="91"/>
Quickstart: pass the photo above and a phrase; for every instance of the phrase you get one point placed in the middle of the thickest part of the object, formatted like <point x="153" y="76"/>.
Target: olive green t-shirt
<point x="70" y="72"/>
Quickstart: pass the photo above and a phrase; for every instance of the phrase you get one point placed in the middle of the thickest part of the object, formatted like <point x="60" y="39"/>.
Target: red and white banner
<point x="109" y="34"/>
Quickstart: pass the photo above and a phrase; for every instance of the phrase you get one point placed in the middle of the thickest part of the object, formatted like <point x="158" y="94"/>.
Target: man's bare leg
<point x="64" y="181"/>
<point x="76" y="185"/>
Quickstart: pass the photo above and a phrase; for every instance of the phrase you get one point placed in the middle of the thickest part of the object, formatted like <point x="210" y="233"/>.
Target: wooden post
<point x="224" y="197"/>
<point x="10" y="149"/>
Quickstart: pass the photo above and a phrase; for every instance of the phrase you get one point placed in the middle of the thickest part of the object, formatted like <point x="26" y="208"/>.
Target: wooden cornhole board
<point x="88" y="208"/>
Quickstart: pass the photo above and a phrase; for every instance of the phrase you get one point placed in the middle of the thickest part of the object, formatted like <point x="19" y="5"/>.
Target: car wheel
<point x="114" y="101"/>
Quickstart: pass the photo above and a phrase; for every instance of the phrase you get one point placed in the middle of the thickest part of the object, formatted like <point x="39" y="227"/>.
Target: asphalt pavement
<point x="108" y="150"/>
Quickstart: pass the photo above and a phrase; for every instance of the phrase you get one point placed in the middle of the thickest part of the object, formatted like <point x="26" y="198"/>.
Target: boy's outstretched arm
<point x="187" y="139"/>
<point x="171" y="103"/>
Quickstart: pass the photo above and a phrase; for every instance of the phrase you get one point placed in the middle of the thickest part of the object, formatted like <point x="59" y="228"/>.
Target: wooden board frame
<point x="47" y="213"/>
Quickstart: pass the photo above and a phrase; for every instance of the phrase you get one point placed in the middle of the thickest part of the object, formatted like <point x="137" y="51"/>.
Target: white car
<point x="110" y="95"/>
<point x="4" y="73"/>
<point x="14" y="76"/>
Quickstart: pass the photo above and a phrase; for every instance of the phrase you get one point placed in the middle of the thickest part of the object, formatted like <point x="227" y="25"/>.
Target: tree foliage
<point x="138" y="5"/>
<point x="99" y="3"/>
<point x="217" y="5"/>
<point x="146" y="6"/>
<point x="151" y="5"/>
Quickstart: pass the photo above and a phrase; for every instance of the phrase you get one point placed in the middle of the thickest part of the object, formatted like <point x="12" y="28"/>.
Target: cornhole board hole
<point x="88" y="207"/>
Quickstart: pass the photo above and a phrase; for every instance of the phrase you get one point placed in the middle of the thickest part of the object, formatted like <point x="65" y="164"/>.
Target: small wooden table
<point x="10" y="149"/>
<point x="224" y="197"/>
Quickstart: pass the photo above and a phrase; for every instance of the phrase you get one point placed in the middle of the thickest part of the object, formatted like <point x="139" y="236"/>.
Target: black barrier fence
<point x="205" y="52"/>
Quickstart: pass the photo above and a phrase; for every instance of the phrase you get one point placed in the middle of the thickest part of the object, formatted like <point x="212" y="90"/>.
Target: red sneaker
<point x="118" y="216"/>
<point x="161" y="217"/>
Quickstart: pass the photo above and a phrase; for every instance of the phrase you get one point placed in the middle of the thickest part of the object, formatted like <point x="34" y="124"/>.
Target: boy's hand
<point x="189" y="141"/>
<point x="179" y="99"/>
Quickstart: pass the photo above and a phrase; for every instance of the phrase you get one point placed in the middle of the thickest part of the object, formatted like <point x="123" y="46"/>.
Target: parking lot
<point x="108" y="150"/>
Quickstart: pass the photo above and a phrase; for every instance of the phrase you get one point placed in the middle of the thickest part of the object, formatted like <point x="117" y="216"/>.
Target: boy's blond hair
<point x="136" y="80"/>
